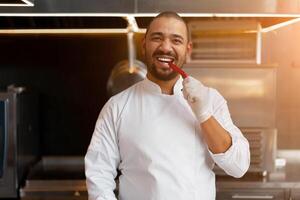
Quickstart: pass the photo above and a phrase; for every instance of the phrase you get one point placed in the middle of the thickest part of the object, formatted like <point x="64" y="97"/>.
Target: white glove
<point x="198" y="97"/>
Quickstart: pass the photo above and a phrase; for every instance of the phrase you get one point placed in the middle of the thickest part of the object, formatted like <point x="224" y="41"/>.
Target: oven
<point x="19" y="140"/>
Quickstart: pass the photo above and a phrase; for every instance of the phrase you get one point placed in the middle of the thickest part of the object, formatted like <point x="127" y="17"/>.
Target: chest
<point x="158" y="126"/>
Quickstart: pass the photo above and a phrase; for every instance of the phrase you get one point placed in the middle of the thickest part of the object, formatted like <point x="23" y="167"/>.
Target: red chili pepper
<point x="178" y="69"/>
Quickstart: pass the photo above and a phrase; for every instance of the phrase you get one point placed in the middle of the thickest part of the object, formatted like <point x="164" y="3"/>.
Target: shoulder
<point x="123" y="96"/>
<point x="119" y="101"/>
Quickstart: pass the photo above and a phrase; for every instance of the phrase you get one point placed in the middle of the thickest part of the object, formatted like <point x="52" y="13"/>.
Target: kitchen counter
<point x="48" y="179"/>
<point x="287" y="176"/>
<point x="281" y="184"/>
<point x="56" y="178"/>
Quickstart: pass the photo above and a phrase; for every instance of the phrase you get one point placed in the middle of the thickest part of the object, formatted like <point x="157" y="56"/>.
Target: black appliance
<point x="19" y="138"/>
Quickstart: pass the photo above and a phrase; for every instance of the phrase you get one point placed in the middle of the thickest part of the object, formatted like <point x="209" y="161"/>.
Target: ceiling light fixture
<point x="22" y="3"/>
<point x="63" y="31"/>
<point x="132" y="21"/>
<point x="146" y="14"/>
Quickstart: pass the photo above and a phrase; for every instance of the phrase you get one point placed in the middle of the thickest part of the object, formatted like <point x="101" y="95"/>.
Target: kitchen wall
<point x="70" y="74"/>
<point x="282" y="47"/>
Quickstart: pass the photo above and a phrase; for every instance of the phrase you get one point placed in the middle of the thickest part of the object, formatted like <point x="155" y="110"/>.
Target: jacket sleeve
<point x="236" y="160"/>
<point x="102" y="157"/>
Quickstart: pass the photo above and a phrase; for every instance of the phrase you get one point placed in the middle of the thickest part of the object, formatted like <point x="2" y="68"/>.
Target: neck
<point x="165" y="86"/>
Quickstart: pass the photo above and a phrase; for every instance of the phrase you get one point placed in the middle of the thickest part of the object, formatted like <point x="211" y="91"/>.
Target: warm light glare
<point x="280" y="25"/>
<point x="131" y="69"/>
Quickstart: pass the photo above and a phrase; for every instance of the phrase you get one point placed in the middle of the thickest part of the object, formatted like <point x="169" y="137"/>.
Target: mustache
<point x="161" y="53"/>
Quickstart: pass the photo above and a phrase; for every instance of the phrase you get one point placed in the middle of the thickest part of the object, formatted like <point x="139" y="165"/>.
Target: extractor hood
<point x="268" y="7"/>
<point x="86" y="14"/>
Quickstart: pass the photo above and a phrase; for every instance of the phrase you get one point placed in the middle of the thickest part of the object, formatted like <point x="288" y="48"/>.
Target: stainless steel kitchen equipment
<point x="263" y="148"/>
<point x="250" y="91"/>
<point x="225" y="41"/>
<point x="56" y="178"/>
<point x="153" y="6"/>
<point x="123" y="76"/>
<point x="19" y="138"/>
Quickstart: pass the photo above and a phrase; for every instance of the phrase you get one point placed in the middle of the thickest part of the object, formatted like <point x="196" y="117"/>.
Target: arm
<point x="226" y="144"/>
<point x="217" y="138"/>
<point x="102" y="157"/>
<point x="234" y="159"/>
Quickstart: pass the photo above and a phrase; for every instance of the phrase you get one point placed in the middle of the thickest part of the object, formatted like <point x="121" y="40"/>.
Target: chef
<point x="165" y="133"/>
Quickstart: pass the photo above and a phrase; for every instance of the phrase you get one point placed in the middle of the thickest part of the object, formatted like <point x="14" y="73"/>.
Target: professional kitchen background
<point x="69" y="71"/>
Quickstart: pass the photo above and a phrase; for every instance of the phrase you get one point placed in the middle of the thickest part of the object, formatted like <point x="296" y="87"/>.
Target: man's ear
<point x="144" y="46"/>
<point x="189" y="49"/>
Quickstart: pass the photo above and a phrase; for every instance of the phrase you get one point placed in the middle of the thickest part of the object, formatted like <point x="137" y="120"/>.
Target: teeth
<point x="164" y="59"/>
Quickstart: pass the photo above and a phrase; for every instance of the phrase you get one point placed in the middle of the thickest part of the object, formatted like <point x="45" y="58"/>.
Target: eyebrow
<point x="161" y="34"/>
<point x="178" y="36"/>
<point x="156" y="33"/>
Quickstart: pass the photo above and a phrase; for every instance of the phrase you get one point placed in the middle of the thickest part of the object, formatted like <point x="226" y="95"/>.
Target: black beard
<point x="163" y="77"/>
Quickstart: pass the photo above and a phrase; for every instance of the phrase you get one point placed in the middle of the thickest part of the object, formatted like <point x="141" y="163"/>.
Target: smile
<point x="165" y="59"/>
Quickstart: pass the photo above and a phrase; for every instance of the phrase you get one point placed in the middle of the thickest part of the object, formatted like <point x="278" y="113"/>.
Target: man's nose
<point x="166" y="46"/>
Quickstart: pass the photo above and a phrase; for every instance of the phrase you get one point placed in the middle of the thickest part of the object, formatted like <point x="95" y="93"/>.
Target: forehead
<point x="167" y="26"/>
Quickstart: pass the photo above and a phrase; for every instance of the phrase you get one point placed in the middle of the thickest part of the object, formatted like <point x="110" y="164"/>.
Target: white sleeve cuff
<point x="236" y="160"/>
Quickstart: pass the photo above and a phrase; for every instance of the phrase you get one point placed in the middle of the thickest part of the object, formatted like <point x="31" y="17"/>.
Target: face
<point x="166" y="41"/>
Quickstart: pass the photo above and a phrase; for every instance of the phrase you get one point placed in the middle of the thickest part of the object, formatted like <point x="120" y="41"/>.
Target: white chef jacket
<point x="155" y="141"/>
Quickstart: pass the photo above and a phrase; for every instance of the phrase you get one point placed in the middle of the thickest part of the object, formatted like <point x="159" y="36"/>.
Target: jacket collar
<point x="152" y="87"/>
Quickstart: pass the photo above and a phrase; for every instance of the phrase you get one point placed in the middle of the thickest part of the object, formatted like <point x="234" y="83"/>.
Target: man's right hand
<point x="198" y="97"/>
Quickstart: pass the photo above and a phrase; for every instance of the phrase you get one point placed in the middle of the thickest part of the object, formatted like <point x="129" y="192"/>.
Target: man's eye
<point x="177" y="41"/>
<point x="156" y="39"/>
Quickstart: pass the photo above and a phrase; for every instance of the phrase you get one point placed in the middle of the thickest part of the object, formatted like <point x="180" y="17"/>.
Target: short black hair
<point x="170" y="14"/>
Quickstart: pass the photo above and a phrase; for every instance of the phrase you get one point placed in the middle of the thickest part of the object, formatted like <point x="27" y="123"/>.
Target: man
<point x="164" y="134"/>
